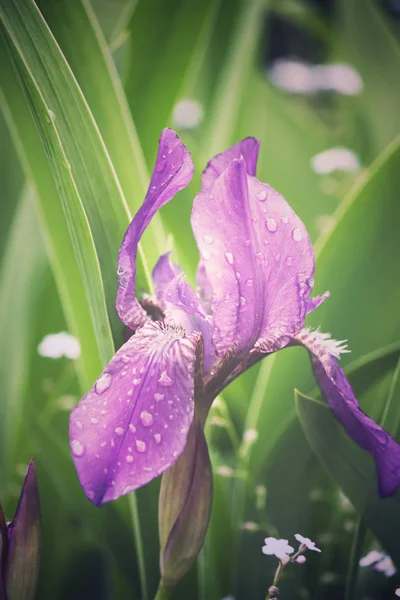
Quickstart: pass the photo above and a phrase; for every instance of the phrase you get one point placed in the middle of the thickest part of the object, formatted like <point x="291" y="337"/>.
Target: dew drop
<point x="297" y="235"/>
<point x="94" y="420"/>
<point x="129" y="458"/>
<point x="79" y="425"/>
<point x="164" y="379"/>
<point x="247" y="243"/>
<point x="284" y="220"/>
<point x="205" y="254"/>
<point x="249" y="282"/>
<point x="208" y="239"/>
<point x="158" y="397"/>
<point x="259" y="257"/>
<point x="271" y="225"/>
<point x="146" y="418"/>
<point x="140" y="446"/>
<point x="277" y="257"/>
<point x="132" y="428"/>
<point x="262" y="196"/>
<point x="119" y="431"/>
<point x="289" y="260"/>
<point x="229" y="257"/>
<point x="242" y="300"/>
<point x="103" y="383"/>
<point x="77" y="448"/>
<point x="157" y="438"/>
<point x="120" y="270"/>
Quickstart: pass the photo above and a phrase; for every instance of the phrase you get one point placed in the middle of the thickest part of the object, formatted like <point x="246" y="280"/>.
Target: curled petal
<point x="360" y="427"/>
<point x="133" y="423"/>
<point x="258" y="259"/>
<point x="313" y="303"/>
<point x="172" y="172"/>
<point x="248" y="148"/>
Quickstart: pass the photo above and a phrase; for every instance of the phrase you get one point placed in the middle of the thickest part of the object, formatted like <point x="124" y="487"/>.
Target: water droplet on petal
<point x="205" y="254"/>
<point x="289" y="260"/>
<point x="297" y="234"/>
<point x="165" y="379"/>
<point x="277" y="257"/>
<point x="247" y="243"/>
<point x="77" y="448"/>
<point x="79" y="425"/>
<point x="284" y="220"/>
<point x="146" y="418"/>
<point x="271" y="225"/>
<point x="103" y="383"/>
<point x="129" y="458"/>
<point x="157" y="438"/>
<point x="132" y="428"/>
<point x="242" y="300"/>
<point x="249" y="282"/>
<point x="158" y="397"/>
<point x="119" y="431"/>
<point x="140" y="446"/>
<point x="259" y="257"/>
<point x="208" y="239"/>
<point x="94" y="420"/>
<point x="262" y="196"/>
<point x="229" y="257"/>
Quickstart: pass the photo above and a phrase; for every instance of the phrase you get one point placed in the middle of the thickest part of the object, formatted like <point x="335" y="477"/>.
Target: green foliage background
<point x="85" y="89"/>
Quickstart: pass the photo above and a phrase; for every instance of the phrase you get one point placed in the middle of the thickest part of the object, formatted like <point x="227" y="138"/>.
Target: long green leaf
<point x="21" y="277"/>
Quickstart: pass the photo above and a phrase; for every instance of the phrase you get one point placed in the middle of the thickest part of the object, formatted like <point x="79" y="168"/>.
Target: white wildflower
<point x="279" y="548"/>
<point x="56" y="345"/>
<point x="187" y="114"/>
<point x="307" y="542"/>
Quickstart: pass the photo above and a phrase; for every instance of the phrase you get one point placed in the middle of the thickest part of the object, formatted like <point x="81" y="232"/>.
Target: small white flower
<point x="369" y="559"/>
<point x="338" y="77"/>
<point x="56" y="345"/>
<point x="335" y="159"/>
<point x="292" y="76"/>
<point x="307" y="542"/>
<point x="279" y="548"/>
<point x="385" y="566"/>
<point x="397" y="592"/>
<point x="187" y="114"/>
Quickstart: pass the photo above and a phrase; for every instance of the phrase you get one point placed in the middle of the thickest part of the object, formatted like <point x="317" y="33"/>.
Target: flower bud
<point x="20" y="544"/>
<point x="185" y="508"/>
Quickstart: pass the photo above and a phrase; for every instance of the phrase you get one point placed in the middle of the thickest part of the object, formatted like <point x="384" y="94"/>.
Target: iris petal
<point x="248" y="148"/>
<point x="172" y="172"/>
<point x="133" y="423"/>
<point x="360" y="427"/>
<point x="258" y="259"/>
<point x="163" y="273"/>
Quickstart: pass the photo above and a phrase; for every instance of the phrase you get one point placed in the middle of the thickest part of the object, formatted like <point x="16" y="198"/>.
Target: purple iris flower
<point x="254" y="282"/>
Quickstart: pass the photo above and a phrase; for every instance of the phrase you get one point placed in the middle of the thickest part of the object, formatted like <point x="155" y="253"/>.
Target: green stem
<point x="163" y="592"/>
<point x="137" y="534"/>
<point x="278" y="573"/>
<point x="356" y="548"/>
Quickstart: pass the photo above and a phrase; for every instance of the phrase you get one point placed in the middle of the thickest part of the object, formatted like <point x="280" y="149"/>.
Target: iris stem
<point x="358" y="541"/>
<point x="163" y="592"/>
<point x="137" y="534"/>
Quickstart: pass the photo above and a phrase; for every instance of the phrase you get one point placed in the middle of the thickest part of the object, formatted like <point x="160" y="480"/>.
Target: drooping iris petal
<point x="183" y="306"/>
<point x="163" y="273"/>
<point x="172" y="172"/>
<point x="313" y="303"/>
<point x="258" y="259"/>
<point x="133" y="423"/>
<point x="360" y="427"/>
<point x="248" y="148"/>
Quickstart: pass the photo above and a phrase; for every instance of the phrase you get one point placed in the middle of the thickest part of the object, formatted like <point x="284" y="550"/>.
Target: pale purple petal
<point x="183" y="307"/>
<point x="258" y="259"/>
<point x="133" y="423"/>
<point x="204" y="287"/>
<point x="313" y="303"/>
<point x="248" y="148"/>
<point x="360" y="427"/>
<point x="172" y="172"/>
<point x="163" y="273"/>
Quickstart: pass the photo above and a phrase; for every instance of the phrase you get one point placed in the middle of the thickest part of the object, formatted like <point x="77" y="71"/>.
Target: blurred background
<point x="85" y="90"/>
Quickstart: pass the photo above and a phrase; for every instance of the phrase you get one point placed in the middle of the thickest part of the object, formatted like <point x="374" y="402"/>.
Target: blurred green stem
<point x="356" y="548"/>
<point x="163" y="592"/>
